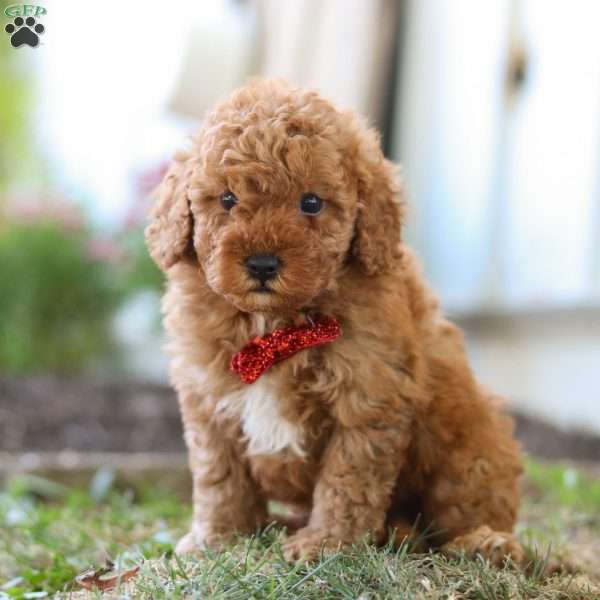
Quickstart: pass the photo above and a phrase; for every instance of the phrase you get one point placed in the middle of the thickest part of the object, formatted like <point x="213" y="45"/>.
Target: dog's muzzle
<point x="263" y="267"/>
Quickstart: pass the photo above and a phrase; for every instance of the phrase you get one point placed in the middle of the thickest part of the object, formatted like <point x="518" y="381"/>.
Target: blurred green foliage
<point x="60" y="284"/>
<point x="60" y="287"/>
<point x="140" y="272"/>
<point x="15" y="104"/>
<point x="56" y="300"/>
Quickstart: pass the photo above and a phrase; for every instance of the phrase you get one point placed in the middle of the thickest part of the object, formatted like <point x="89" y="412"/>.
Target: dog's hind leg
<point x="470" y="506"/>
<point x="495" y="546"/>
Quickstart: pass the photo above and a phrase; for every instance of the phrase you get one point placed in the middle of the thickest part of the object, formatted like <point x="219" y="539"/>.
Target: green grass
<point x="49" y="534"/>
<point x="565" y="485"/>
<point x="45" y="542"/>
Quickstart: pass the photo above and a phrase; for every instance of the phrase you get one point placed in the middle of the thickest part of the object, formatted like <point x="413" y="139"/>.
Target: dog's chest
<point x="265" y="428"/>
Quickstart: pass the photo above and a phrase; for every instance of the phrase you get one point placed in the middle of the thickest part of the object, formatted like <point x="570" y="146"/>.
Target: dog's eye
<point x="311" y="204"/>
<point x="228" y="200"/>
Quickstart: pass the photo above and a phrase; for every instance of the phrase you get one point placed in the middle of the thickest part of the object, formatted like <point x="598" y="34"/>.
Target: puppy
<point x="281" y="223"/>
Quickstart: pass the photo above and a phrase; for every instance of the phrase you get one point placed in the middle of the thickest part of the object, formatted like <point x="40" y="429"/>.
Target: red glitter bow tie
<point x="264" y="351"/>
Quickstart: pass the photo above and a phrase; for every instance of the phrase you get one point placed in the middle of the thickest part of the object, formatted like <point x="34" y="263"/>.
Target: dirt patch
<point x="546" y="441"/>
<point x="50" y="414"/>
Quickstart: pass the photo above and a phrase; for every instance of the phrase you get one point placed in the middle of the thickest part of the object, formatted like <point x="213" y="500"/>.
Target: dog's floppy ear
<point x="376" y="244"/>
<point x="170" y="229"/>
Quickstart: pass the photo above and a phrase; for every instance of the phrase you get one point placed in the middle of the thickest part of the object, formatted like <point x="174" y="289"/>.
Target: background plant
<point x="58" y="291"/>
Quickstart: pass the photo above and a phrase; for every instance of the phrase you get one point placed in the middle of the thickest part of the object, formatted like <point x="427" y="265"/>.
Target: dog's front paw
<point x="309" y="543"/>
<point x="187" y="544"/>
<point x="197" y="541"/>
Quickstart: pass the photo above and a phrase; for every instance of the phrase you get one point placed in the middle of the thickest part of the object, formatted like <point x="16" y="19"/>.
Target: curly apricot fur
<point x="391" y="420"/>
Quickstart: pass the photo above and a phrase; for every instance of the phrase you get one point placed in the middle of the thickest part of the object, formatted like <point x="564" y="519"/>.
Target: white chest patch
<point x="257" y="407"/>
<point x="266" y="431"/>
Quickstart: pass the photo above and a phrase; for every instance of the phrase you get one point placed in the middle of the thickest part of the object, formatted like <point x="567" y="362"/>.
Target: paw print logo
<point x="24" y="32"/>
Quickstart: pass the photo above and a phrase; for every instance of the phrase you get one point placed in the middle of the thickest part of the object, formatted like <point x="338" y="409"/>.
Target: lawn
<point x="49" y="534"/>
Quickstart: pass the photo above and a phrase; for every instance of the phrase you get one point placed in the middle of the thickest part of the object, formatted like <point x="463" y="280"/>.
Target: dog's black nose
<point x="263" y="266"/>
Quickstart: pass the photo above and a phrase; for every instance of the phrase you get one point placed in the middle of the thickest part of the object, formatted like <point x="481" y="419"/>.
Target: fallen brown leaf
<point x="104" y="578"/>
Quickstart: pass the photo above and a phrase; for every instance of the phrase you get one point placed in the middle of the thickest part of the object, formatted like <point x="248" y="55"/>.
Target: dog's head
<point x="280" y="194"/>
